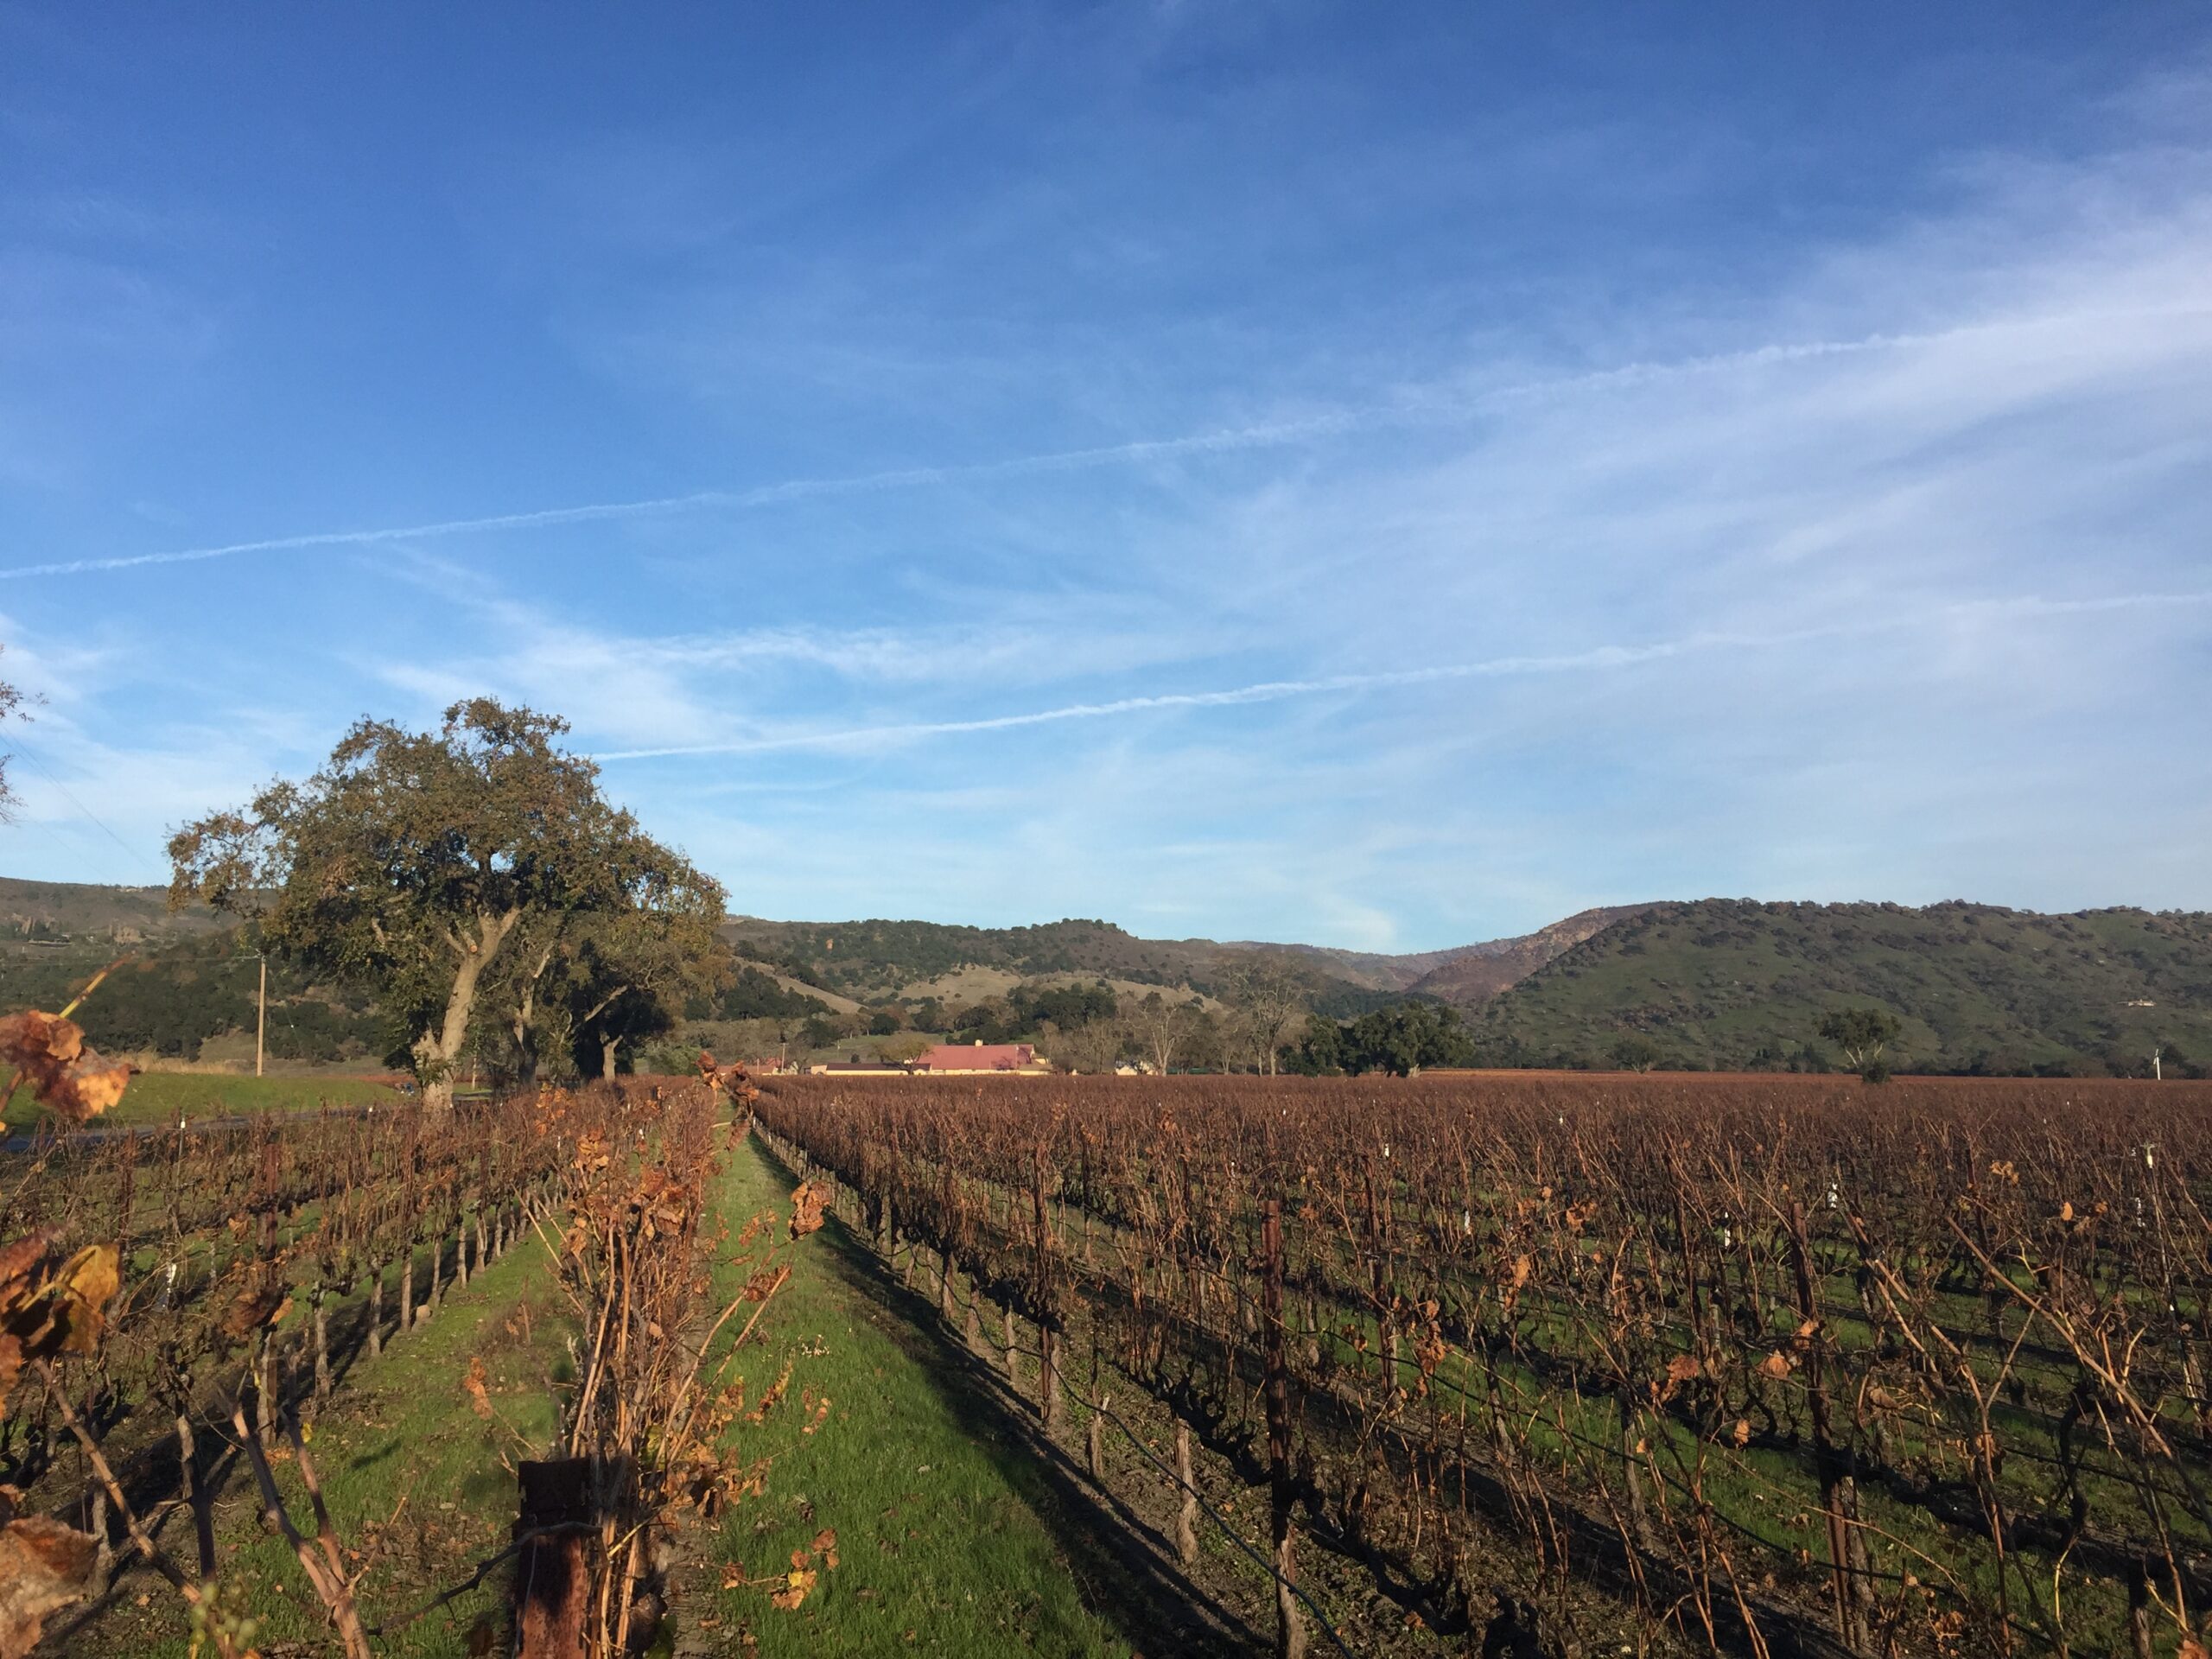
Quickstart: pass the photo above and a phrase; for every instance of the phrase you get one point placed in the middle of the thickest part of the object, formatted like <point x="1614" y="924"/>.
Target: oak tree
<point x="1861" y="1033"/>
<point x="629" y="973"/>
<point x="413" y="860"/>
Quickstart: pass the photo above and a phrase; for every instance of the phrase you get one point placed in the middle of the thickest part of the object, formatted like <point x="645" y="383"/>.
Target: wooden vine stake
<point x="1838" y="1490"/>
<point x="1290" y="1628"/>
<point x="553" y="1572"/>
<point x="1186" y="1510"/>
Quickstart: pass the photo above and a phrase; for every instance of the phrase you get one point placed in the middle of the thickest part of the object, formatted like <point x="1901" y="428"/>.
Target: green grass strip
<point x="401" y="1426"/>
<point x="942" y="1539"/>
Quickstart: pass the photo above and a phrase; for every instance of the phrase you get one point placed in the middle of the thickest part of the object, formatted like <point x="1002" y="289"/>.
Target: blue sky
<point x="1384" y="476"/>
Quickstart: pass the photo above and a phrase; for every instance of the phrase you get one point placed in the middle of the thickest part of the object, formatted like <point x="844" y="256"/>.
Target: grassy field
<point x="159" y="1097"/>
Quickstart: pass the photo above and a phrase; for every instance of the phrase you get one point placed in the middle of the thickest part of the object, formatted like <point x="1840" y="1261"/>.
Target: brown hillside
<point x="1476" y="973"/>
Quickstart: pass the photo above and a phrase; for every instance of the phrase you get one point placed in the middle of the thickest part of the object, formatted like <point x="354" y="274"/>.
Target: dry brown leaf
<point x="796" y="1583"/>
<point x="479" y="1397"/>
<point x="807" y="1202"/>
<point x="67" y="1076"/>
<point x="255" y="1309"/>
<point x="50" y="1306"/>
<point x="764" y="1284"/>
<point x="44" y="1566"/>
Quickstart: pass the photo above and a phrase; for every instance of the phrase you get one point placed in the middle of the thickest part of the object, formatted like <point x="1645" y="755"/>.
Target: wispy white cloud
<point x="1598" y="658"/>
<point x="1433" y="407"/>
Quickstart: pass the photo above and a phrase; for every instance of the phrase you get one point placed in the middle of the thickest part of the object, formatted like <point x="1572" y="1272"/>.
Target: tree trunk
<point x="607" y="1045"/>
<point x="436" y="1053"/>
<point x="523" y="1026"/>
<point x="407" y="1290"/>
<point x="376" y="1310"/>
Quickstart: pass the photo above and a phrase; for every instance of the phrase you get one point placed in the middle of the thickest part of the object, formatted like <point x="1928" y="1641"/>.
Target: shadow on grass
<point x="1126" y="1572"/>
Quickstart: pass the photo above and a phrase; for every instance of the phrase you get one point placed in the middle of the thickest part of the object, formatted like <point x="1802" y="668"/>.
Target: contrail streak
<point x="1264" y="436"/>
<point x="1228" y="439"/>
<point x="1598" y="657"/>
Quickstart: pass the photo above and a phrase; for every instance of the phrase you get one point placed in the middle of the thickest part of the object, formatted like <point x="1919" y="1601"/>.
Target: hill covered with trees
<point x="1734" y="983"/>
<point x="1726" y="984"/>
<point x="876" y="960"/>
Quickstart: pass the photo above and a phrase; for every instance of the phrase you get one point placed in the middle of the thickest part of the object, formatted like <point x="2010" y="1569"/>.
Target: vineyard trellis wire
<point x="1780" y="1365"/>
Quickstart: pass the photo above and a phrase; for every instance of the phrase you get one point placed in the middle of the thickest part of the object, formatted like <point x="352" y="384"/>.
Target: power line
<point x="31" y="755"/>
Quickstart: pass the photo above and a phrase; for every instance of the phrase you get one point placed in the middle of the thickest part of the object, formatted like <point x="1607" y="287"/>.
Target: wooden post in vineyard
<point x="1838" y="1491"/>
<point x="1290" y="1628"/>
<point x="1048" y="1337"/>
<point x="1639" y="1513"/>
<point x="553" y="1570"/>
<point x="319" y="1300"/>
<point x="1186" y="1512"/>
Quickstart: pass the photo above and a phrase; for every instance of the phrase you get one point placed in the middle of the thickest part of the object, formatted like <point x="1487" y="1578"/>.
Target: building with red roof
<point x="970" y="1060"/>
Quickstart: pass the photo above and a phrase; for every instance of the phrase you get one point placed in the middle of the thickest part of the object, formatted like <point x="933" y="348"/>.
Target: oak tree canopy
<point x="414" y="858"/>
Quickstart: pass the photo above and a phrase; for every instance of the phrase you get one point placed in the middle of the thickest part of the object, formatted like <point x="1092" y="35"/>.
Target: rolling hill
<point x="1731" y="983"/>
<point x="878" y="959"/>
<point x="1714" y="983"/>
<point x="80" y="912"/>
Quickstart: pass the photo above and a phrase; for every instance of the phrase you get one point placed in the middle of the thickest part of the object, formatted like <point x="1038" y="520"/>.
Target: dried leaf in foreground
<point x="44" y="1566"/>
<point x="67" y="1076"/>
<point x="50" y="1306"/>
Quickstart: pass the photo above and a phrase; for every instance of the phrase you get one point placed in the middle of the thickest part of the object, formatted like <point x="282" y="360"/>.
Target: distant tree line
<point x="172" y="1002"/>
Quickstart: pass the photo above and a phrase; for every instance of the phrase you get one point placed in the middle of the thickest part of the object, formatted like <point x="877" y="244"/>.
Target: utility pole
<point x="261" y="1016"/>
